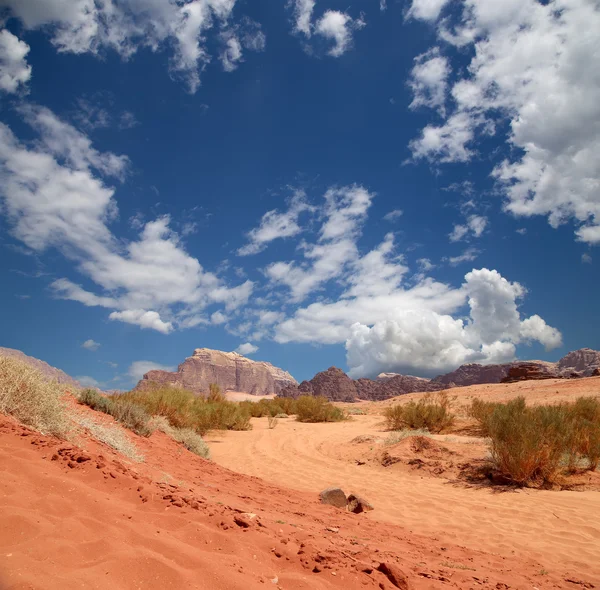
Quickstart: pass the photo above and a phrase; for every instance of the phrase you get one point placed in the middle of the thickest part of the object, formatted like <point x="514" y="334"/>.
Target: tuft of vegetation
<point x="481" y="412"/>
<point x="272" y="422"/>
<point x="183" y="409"/>
<point x="129" y="414"/>
<point x="431" y="413"/>
<point x="530" y="445"/>
<point x="187" y="437"/>
<point x="111" y="435"/>
<point x="32" y="399"/>
<point x="311" y="408"/>
<point x="400" y="435"/>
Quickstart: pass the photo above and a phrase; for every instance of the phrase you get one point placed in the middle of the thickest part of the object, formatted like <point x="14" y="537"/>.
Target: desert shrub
<point x="215" y="395"/>
<point x="187" y="437"/>
<point x="530" y="445"/>
<point x="272" y="422"/>
<point x="32" y="399"/>
<point x="166" y="400"/>
<point x="481" y="412"/>
<point x="288" y="405"/>
<point x="355" y="412"/>
<point x="124" y="410"/>
<point x="431" y="412"/>
<point x="399" y="435"/>
<point x="111" y="435"/>
<point x="527" y="443"/>
<point x="317" y="409"/>
<point x="281" y="416"/>
<point x="205" y="415"/>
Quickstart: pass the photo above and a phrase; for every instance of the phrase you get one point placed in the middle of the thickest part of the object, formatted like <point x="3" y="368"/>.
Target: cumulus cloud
<point x="528" y="74"/>
<point x="143" y="319"/>
<point x="88" y="381"/>
<point x="429" y="80"/>
<point x="333" y="25"/>
<point x="55" y="195"/>
<point x="344" y="211"/>
<point x="15" y="72"/>
<point x="275" y="224"/>
<point x="474" y="226"/>
<point x="246" y="348"/>
<point x="91" y="345"/>
<point x="85" y="26"/>
<point x="138" y="369"/>
<point x="338" y="27"/>
<point x="393" y="215"/>
<point x="424" y="342"/>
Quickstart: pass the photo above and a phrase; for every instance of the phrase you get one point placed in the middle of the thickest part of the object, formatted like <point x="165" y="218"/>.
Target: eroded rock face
<point x="333" y="384"/>
<point x="474" y="374"/>
<point x="529" y="371"/>
<point x="47" y="370"/>
<point x="230" y="370"/>
<point x="584" y="361"/>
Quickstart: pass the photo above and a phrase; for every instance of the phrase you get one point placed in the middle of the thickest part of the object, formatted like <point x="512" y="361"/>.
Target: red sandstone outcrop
<point x="528" y="371"/>
<point x="230" y="370"/>
<point x="333" y="384"/>
<point x="49" y="371"/>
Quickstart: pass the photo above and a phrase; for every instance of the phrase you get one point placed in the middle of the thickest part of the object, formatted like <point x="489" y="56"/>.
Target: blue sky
<point x="381" y="186"/>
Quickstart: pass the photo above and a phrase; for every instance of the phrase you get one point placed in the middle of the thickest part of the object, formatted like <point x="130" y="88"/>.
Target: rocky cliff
<point x="335" y="385"/>
<point x="230" y="370"/>
<point x="49" y="371"/>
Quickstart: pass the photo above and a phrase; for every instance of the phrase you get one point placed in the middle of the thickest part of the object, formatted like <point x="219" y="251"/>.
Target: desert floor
<point x="77" y="514"/>
<point x="555" y="527"/>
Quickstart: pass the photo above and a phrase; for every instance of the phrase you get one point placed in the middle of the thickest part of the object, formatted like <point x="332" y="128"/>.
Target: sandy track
<point x="561" y="529"/>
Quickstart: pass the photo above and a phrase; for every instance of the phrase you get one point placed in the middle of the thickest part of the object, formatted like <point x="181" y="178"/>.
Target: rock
<point x="358" y="504"/>
<point x="474" y="374"/>
<point x="47" y="370"/>
<point x="333" y="384"/>
<point x="395" y="575"/>
<point x="334" y="497"/>
<point x="401" y="384"/>
<point x="229" y="370"/>
<point x="585" y="362"/>
<point x="528" y="371"/>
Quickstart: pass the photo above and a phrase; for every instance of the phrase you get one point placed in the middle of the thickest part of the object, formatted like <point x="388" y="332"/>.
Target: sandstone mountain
<point x="335" y="385"/>
<point x="230" y="370"/>
<point x="44" y="368"/>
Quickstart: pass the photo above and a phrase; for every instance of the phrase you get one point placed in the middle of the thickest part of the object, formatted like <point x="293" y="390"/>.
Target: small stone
<point x="357" y="504"/>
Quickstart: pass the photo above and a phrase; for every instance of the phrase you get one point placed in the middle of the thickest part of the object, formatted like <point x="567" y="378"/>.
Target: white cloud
<point x="473" y="227"/>
<point x="246" y="348"/>
<point x="274" y="225"/>
<point x="303" y="10"/>
<point x="338" y="27"/>
<point x="88" y="381"/>
<point x="425" y="342"/>
<point x="55" y="196"/>
<point x="393" y="215"/>
<point x="344" y="212"/>
<point x="429" y="80"/>
<point x="586" y="258"/>
<point x="529" y="73"/>
<point x="468" y="255"/>
<point x="427" y="10"/>
<point x="91" y="345"/>
<point x="231" y="54"/>
<point x="14" y="69"/>
<point x="138" y="369"/>
<point x="143" y="319"/>
<point x="86" y="26"/>
<point x="218" y="318"/>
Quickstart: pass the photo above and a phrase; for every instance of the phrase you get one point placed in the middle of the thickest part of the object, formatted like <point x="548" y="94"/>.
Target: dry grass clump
<point x="431" y="413"/>
<point x="400" y="435"/>
<point x="531" y="445"/>
<point x="113" y="436"/>
<point x="183" y="409"/>
<point x="32" y="399"/>
<point x="310" y="408"/>
<point x="131" y="415"/>
<point x="187" y="437"/>
<point x="273" y="421"/>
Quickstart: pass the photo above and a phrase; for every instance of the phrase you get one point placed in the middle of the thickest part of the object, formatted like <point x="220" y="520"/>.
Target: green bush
<point x="317" y="409"/>
<point x="481" y="411"/>
<point x="431" y="412"/>
<point x="171" y="402"/>
<point x="529" y="445"/>
<point x="123" y="409"/>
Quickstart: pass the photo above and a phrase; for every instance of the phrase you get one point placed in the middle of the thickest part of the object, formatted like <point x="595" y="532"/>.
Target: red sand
<point x="84" y="517"/>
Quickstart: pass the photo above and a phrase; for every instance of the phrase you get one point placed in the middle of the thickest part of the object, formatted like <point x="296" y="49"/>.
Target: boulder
<point x="395" y="575"/>
<point x="358" y="504"/>
<point x="334" y="497"/>
<point x="229" y="370"/>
